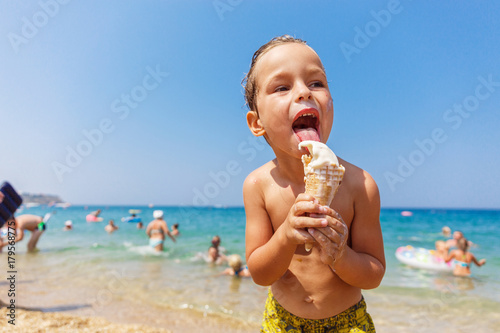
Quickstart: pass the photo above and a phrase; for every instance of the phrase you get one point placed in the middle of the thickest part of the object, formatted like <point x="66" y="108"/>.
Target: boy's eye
<point x="317" y="84"/>
<point x="280" y="88"/>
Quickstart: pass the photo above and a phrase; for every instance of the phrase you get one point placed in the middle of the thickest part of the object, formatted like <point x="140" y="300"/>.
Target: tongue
<point x="305" y="134"/>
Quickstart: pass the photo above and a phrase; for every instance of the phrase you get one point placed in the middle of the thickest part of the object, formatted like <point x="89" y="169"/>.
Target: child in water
<point x="287" y="92"/>
<point x="463" y="258"/>
<point x="236" y="267"/>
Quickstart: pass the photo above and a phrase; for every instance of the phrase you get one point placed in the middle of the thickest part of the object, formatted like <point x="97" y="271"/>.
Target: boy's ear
<point x="255" y="124"/>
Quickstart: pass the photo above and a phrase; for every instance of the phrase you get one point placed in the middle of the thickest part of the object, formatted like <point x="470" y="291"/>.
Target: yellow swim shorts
<point x="353" y="320"/>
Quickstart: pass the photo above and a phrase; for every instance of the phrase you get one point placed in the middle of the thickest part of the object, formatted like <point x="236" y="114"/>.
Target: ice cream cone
<point x="322" y="183"/>
<point x="322" y="173"/>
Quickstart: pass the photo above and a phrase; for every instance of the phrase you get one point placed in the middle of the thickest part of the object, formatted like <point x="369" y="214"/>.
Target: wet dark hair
<point x="248" y="81"/>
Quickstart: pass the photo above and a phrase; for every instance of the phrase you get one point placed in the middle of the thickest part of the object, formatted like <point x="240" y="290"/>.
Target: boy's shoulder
<point x="262" y="173"/>
<point x="259" y="178"/>
<point x="356" y="178"/>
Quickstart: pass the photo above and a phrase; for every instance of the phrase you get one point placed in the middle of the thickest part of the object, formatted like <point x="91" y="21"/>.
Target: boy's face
<point x="293" y="99"/>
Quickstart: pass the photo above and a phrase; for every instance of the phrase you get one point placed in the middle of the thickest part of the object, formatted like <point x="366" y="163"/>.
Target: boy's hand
<point x="304" y="214"/>
<point x="331" y="239"/>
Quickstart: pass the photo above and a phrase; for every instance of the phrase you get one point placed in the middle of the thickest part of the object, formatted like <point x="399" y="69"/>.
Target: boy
<point x="289" y="100"/>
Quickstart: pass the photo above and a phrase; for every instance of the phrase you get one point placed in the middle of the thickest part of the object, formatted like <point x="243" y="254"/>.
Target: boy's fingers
<point x="338" y="217"/>
<point x="305" y="197"/>
<point x="333" y="213"/>
<point x="337" y="223"/>
<point x="303" y="207"/>
<point x="310" y="207"/>
<point x="301" y="222"/>
<point x="304" y="236"/>
<point x="326" y="235"/>
<point x="338" y="226"/>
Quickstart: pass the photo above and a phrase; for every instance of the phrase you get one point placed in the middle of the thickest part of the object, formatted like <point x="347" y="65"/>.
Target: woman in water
<point x="156" y="230"/>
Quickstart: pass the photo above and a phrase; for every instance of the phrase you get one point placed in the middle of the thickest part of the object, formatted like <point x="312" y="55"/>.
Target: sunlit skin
<point x="453" y="242"/>
<point x="27" y="222"/>
<point x="111" y="227"/>
<point x="462" y="255"/>
<point x="157" y="224"/>
<point x="329" y="279"/>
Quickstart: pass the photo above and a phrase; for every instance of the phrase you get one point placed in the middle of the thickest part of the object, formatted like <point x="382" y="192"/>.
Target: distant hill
<point x="42" y="199"/>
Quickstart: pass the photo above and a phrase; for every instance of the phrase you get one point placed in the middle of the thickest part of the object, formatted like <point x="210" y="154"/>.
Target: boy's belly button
<point x="308" y="299"/>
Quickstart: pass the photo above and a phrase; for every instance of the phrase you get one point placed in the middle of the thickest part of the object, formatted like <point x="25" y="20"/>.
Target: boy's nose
<point x="303" y="93"/>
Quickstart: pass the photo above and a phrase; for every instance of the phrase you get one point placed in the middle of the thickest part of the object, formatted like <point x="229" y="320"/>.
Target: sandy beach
<point x="40" y="322"/>
<point x="51" y="312"/>
<point x="36" y="321"/>
<point x="73" y="319"/>
<point x="388" y="310"/>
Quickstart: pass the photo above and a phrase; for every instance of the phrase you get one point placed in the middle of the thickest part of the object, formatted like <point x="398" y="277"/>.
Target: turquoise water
<point x="93" y="270"/>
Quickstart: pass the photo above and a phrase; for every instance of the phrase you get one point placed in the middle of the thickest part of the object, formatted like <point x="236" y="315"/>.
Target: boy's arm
<point x="363" y="263"/>
<point x="262" y="252"/>
<point x="269" y="252"/>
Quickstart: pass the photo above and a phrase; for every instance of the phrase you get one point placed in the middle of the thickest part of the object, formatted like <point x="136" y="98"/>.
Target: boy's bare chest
<point x="279" y="201"/>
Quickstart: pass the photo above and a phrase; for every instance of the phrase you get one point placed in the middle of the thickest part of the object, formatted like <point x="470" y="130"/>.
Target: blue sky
<point x="137" y="102"/>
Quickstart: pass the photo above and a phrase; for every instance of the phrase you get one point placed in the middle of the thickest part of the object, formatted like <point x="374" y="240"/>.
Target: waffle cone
<point x="323" y="177"/>
<point x="322" y="183"/>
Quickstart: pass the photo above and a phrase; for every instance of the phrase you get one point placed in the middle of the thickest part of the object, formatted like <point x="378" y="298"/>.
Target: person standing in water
<point x="463" y="258"/>
<point x="215" y="254"/>
<point x="156" y="231"/>
<point x="111" y="227"/>
<point x="175" y="230"/>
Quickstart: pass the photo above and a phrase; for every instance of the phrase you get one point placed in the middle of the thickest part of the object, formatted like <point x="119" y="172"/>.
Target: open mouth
<point x="306" y="125"/>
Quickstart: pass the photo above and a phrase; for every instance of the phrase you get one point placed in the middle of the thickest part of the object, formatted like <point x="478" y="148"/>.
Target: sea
<point x="89" y="272"/>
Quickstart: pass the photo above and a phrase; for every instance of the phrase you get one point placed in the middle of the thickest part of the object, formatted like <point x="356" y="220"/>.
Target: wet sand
<point x="75" y="318"/>
<point x="390" y="310"/>
<point x="36" y="321"/>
